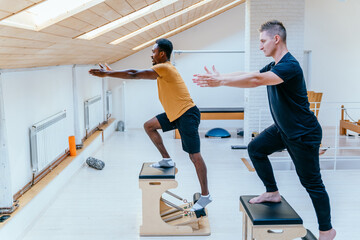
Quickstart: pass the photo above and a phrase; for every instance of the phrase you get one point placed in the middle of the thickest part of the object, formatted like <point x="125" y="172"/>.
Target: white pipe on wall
<point x="77" y="130"/>
<point x="6" y="198"/>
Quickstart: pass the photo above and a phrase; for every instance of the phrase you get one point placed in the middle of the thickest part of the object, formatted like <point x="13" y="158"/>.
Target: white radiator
<point x="48" y="141"/>
<point x="108" y="104"/>
<point x="93" y="113"/>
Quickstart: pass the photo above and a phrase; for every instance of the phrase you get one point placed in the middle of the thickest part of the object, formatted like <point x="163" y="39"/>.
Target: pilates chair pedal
<point x="200" y="213"/>
<point x="309" y="236"/>
<point x="4" y="218"/>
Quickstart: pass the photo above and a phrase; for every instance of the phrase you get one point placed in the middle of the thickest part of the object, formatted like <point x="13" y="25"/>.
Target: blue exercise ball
<point x="218" y="132"/>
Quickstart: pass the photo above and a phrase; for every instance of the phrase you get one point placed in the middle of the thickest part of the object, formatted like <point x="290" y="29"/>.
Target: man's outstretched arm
<point x="241" y="80"/>
<point x="106" y="71"/>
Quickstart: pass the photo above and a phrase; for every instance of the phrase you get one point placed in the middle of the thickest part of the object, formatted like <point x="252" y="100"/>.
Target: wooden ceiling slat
<point x="151" y="34"/>
<point x="149" y="2"/>
<point x="28" y="34"/>
<point x="18" y="50"/>
<point x="15" y="42"/>
<point x="160" y="14"/>
<point x="76" y="24"/>
<point x="141" y="22"/>
<point x="14" y="6"/>
<point x="120" y="6"/>
<point x="190" y="3"/>
<point x="137" y="4"/>
<point x="131" y="26"/>
<point x="112" y="35"/>
<point x="122" y="31"/>
<point x="61" y="31"/>
<point x="91" y="18"/>
<point x="207" y="8"/>
<point x="168" y="11"/>
<point x="103" y="10"/>
<point x="178" y="5"/>
<point x="4" y="14"/>
<point x="172" y="24"/>
<point x="35" y="1"/>
<point x="150" y="18"/>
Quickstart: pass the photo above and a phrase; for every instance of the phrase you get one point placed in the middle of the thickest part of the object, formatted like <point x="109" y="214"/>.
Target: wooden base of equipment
<point x="270" y="221"/>
<point x="161" y="217"/>
<point x="347" y="125"/>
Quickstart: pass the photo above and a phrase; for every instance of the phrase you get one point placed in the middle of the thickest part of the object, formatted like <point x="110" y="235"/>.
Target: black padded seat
<point x="270" y="213"/>
<point x="148" y="172"/>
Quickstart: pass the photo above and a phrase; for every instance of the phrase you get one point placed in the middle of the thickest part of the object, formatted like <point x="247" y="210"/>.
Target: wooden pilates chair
<point x="162" y="217"/>
<point x="314" y="100"/>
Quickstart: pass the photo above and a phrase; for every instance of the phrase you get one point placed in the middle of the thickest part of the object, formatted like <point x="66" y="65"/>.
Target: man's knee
<point x="150" y="125"/>
<point x="252" y="149"/>
<point x="194" y="157"/>
<point x="147" y="126"/>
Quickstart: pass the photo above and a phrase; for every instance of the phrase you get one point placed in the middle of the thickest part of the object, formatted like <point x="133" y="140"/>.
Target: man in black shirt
<point x="296" y="128"/>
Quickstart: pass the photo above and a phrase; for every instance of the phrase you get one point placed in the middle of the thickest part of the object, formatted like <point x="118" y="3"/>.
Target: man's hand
<point x="209" y="79"/>
<point x="102" y="72"/>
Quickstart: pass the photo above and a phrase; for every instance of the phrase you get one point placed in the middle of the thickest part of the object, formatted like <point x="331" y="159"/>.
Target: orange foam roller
<point x="72" y="146"/>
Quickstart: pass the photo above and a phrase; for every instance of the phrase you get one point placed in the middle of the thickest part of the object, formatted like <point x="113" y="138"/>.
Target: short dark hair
<point x="165" y="45"/>
<point x="274" y="27"/>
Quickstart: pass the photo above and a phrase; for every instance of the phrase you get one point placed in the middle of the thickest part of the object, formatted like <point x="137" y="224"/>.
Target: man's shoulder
<point x="289" y="58"/>
<point x="267" y="67"/>
<point x="164" y="66"/>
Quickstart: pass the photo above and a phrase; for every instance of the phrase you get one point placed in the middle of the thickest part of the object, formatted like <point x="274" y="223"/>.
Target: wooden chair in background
<point x="314" y="100"/>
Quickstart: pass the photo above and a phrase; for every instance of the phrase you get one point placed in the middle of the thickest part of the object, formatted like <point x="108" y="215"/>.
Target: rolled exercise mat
<point x="95" y="163"/>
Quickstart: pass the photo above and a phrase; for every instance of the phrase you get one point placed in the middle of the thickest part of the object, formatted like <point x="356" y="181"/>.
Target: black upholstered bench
<point x="270" y="221"/>
<point x="148" y="172"/>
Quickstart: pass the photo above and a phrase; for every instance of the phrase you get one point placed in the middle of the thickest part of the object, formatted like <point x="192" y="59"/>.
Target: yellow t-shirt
<point x="173" y="93"/>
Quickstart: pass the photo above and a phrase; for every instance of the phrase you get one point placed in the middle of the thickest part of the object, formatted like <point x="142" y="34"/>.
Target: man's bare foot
<point x="327" y="235"/>
<point x="267" y="197"/>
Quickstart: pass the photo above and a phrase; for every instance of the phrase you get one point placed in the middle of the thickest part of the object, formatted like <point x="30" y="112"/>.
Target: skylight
<point x="126" y="19"/>
<point x="47" y="13"/>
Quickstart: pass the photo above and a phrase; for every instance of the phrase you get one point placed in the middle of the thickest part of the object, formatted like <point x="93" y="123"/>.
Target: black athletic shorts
<point x="188" y="126"/>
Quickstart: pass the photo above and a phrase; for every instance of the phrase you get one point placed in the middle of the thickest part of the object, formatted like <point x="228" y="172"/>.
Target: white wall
<point x="29" y="97"/>
<point x="223" y="32"/>
<point x="32" y="95"/>
<point x="88" y="86"/>
<point x="331" y="33"/>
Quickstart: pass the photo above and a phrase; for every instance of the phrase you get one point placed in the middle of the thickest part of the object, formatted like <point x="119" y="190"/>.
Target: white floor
<point x="107" y="204"/>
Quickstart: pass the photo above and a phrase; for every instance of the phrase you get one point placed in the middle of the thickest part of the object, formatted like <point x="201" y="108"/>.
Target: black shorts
<point x="188" y="126"/>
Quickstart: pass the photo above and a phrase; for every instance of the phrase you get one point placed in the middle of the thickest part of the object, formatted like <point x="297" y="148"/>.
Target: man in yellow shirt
<point x="180" y="111"/>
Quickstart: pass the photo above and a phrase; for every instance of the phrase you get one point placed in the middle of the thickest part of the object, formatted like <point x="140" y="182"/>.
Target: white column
<point x="291" y="14"/>
<point x="77" y="130"/>
<point x="104" y="99"/>
<point x="6" y="198"/>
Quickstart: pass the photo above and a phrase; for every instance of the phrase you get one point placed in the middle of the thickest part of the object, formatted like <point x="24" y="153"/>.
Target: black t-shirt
<point x="288" y="101"/>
